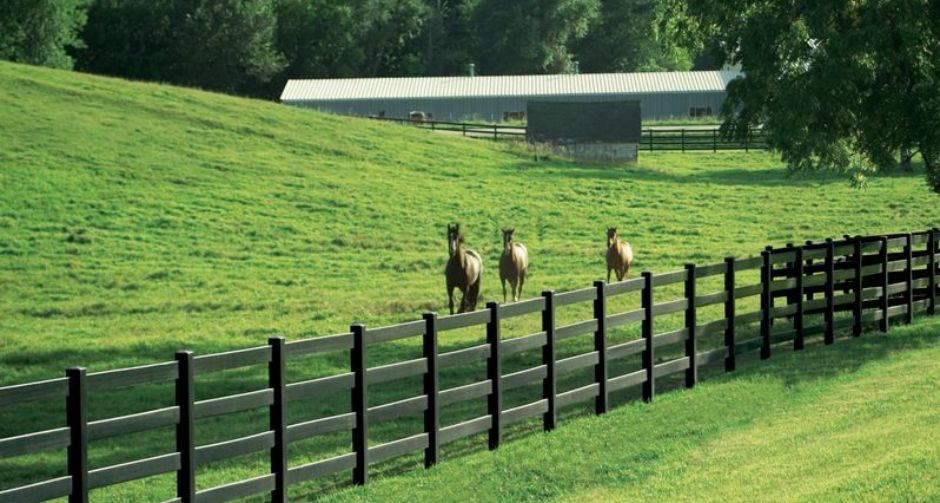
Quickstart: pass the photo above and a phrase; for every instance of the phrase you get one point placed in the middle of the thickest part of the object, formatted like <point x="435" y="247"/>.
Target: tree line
<point x="849" y="85"/>
<point x="251" y="47"/>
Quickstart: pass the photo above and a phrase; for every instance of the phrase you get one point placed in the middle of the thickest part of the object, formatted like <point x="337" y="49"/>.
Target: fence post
<point x="714" y="140"/>
<point x="463" y="128"/>
<point x="277" y="381"/>
<point x="651" y="139"/>
<point x="798" y="340"/>
<point x="809" y="264"/>
<point x="747" y="136"/>
<point x="432" y="421"/>
<point x="76" y="417"/>
<point x="932" y="274"/>
<point x="649" y="386"/>
<point x="682" y="133"/>
<point x="691" y="374"/>
<point x="186" y="428"/>
<point x="600" y="345"/>
<point x="883" y="256"/>
<point x="909" y="277"/>
<point x="495" y="133"/>
<point x="548" y="359"/>
<point x="360" y="404"/>
<point x="858" y="286"/>
<point x="494" y="374"/>
<point x="829" y="336"/>
<point x="765" y="304"/>
<point x="791" y="274"/>
<point x="729" y="313"/>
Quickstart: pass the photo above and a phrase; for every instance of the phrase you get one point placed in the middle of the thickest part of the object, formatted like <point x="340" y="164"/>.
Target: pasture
<point x="138" y="219"/>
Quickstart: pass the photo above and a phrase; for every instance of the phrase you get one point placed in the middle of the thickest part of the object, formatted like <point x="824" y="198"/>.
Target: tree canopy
<point x="835" y="84"/>
<point x="40" y="32"/>
<point x="253" y="46"/>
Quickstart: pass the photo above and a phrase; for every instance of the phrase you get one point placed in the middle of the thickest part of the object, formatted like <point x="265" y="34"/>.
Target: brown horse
<point x="619" y="255"/>
<point x="464" y="271"/>
<point x="513" y="264"/>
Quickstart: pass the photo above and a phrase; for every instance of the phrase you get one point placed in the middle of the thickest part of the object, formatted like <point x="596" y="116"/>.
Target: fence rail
<point x="873" y="279"/>
<point x="683" y="139"/>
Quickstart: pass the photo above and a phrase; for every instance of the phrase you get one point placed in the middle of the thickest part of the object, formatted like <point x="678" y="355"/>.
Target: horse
<point x="619" y="255"/>
<point x="513" y="265"/>
<point x="464" y="271"/>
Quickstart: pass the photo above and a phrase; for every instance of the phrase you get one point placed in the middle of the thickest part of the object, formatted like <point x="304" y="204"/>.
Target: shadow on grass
<point x="781" y="177"/>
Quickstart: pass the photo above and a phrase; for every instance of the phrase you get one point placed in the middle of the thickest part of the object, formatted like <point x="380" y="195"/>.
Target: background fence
<point x="658" y="138"/>
<point x="807" y="290"/>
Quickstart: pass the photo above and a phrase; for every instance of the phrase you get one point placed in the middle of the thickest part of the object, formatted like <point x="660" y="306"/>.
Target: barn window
<point x="700" y="111"/>
<point x="513" y="116"/>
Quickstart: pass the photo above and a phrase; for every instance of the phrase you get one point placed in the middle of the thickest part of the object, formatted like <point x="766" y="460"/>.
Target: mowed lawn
<point x="139" y="219"/>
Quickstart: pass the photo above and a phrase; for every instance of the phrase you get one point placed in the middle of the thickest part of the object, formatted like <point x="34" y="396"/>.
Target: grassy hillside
<point x="852" y="422"/>
<point x="139" y="219"/>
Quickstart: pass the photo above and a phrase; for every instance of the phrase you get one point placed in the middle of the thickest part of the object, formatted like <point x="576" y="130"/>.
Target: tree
<point x="224" y="45"/>
<point x="228" y="45"/>
<point x="389" y="36"/>
<point x="41" y="32"/>
<point x="835" y="83"/>
<point x="626" y="37"/>
<point x="531" y="36"/>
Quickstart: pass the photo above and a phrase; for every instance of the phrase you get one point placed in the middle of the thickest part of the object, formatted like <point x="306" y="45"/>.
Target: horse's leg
<point x="521" y="282"/>
<point x="514" y="283"/>
<point x="474" y="294"/>
<point x="620" y="274"/>
<point x="463" y="301"/>
<point x="608" y="274"/>
<point x="503" y="280"/>
<point x="450" y="298"/>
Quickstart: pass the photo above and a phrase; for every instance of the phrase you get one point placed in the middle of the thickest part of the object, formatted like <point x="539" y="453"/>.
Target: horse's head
<point x="507" y="237"/>
<point x="611" y="236"/>
<point x="453" y="238"/>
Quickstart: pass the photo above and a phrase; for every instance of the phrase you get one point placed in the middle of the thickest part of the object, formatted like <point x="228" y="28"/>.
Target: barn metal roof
<point x="506" y="86"/>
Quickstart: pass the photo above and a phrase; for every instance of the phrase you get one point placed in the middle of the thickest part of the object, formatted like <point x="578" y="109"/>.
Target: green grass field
<point x="139" y="219"/>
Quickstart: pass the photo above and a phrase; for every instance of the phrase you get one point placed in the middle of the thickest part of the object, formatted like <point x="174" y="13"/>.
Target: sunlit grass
<point x="138" y="219"/>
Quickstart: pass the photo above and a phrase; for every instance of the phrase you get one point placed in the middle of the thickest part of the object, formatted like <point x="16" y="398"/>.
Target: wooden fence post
<point x="432" y="421"/>
<point x="186" y="428"/>
<point x="549" y="389"/>
<point x="691" y="374"/>
<point x="797" y="298"/>
<point x="682" y="135"/>
<point x="791" y="274"/>
<point x="858" y="287"/>
<point x="76" y="417"/>
<point x="494" y="374"/>
<point x="360" y="404"/>
<point x="883" y="256"/>
<point x="714" y="140"/>
<point x="649" y="386"/>
<point x="600" y="345"/>
<point x="651" y="139"/>
<point x="808" y="265"/>
<point x="829" y="335"/>
<point x="277" y="381"/>
<point x="909" y="277"/>
<point x="729" y="313"/>
<point x="932" y="268"/>
<point x="765" y="304"/>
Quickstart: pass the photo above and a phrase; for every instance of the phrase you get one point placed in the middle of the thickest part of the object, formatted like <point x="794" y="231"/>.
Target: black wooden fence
<point x="863" y="279"/>
<point x="683" y="139"/>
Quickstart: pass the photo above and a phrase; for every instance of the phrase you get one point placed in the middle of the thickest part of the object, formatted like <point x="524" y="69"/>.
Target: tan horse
<point x="464" y="271"/>
<point x="619" y="255"/>
<point x="513" y="265"/>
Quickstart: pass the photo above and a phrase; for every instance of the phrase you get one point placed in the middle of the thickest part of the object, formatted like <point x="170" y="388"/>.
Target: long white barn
<point x="661" y="94"/>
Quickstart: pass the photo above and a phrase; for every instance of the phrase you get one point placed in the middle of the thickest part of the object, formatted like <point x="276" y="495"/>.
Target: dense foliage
<point x="252" y="46"/>
<point x="40" y="31"/>
<point x="836" y="84"/>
